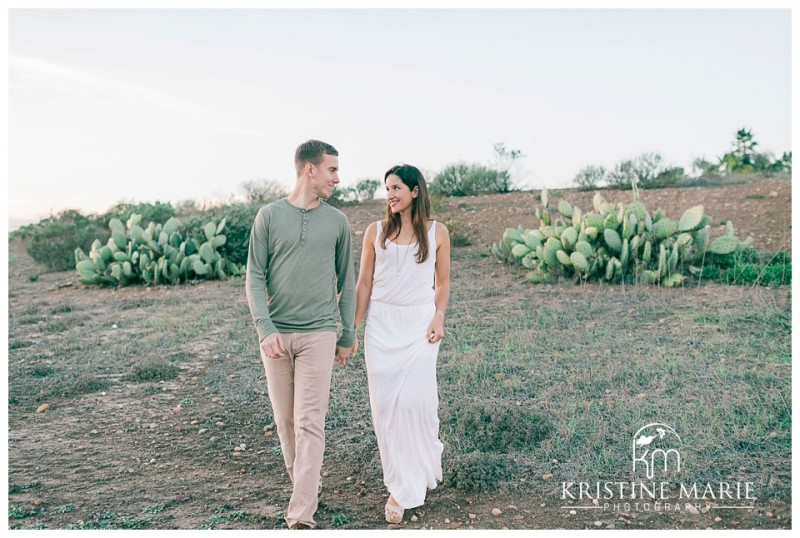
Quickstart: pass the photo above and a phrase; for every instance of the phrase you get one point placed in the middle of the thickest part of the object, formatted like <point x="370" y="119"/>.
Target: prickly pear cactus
<point x="158" y="254"/>
<point x="615" y="242"/>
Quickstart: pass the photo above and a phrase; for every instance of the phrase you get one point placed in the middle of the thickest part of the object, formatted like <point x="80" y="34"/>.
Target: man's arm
<point x="256" y="276"/>
<point x="345" y="286"/>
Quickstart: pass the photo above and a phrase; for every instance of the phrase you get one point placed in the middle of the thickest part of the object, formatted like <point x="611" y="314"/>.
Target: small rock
<point x="496" y="512"/>
<point x="114" y="326"/>
<point x="414" y="519"/>
<point x="393" y="526"/>
<point x="542" y="505"/>
<point x="37" y="502"/>
<point x="269" y="434"/>
<point x="269" y="427"/>
<point x="243" y="446"/>
<point x="547" y="476"/>
<point x="177" y="408"/>
<point x="102" y="394"/>
<point x="152" y="460"/>
<point x="769" y="514"/>
<point x="512" y="507"/>
<point x="220" y="424"/>
<point x="773" y="435"/>
<point x="692" y="509"/>
<point x="611" y="526"/>
<point x="773" y="194"/>
<point x="641" y="396"/>
<point x="472" y="516"/>
<point x="598" y="523"/>
<point x="349" y="478"/>
<point x="519" y="517"/>
<point x="717" y="519"/>
<point x="326" y="474"/>
<point x="742" y="469"/>
<point x="130" y="470"/>
<point x="42" y="408"/>
<point x="572" y="512"/>
<point x="202" y="431"/>
<point x="590" y="325"/>
<point x="237" y="449"/>
<point x="447" y="521"/>
<point x="237" y="454"/>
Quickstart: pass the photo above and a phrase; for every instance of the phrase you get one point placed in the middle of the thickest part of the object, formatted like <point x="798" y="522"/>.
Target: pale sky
<point x="147" y="105"/>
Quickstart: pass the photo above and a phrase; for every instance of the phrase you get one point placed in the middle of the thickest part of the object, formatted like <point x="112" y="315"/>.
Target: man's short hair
<point x="312" y="151"/>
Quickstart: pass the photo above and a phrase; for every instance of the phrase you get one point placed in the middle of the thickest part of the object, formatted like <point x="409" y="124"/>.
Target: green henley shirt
<point x="298" y="260"/>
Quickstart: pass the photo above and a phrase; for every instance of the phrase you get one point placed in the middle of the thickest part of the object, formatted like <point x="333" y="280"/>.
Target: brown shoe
<point x="300" y="527"/>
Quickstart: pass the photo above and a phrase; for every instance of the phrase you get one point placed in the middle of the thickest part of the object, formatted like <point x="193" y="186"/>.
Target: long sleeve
<point x="256" y="275"/>
<point x="345" y="286"/>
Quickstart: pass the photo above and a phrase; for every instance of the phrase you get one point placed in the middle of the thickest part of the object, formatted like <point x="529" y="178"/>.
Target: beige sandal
<point x="393" y="512"/>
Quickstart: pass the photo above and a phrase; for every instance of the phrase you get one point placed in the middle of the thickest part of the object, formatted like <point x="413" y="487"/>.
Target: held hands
<point x="343" y="352"/>
<point x="435" y="330"/>
<point x="272" y="346"/>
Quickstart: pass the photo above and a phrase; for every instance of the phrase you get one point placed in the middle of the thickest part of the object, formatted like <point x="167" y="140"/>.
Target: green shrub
<point x="157" y="212"/>
<point x="468" y="180"/>
<point x="477" y="471"/>
<point x="460" y="234"/>
<point x="153" y="369"/>
<point x="54" y="239"/>
<point x="239" y="219"/>
<point x="497" y="428"/>
<point x="748" y="267"/>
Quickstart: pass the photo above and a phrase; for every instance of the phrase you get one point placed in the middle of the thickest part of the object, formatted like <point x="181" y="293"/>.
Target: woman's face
<point x="398" y="195"/>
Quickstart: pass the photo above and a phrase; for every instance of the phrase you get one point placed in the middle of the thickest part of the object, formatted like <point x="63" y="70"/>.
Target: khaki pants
<point x="299" y="385"/>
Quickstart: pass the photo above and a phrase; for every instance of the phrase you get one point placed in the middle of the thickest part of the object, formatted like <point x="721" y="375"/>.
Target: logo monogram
<point x="656" y="444"/>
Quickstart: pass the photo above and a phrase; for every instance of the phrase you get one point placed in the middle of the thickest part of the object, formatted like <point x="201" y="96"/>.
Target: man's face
<point x="325" y="177"/>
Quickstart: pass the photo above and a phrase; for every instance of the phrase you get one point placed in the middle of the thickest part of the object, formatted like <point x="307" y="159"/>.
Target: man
<point x="299" y="258"/>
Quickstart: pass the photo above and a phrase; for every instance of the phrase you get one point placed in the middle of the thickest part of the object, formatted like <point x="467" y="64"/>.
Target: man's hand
<point x="272" y="346"/>
<point x="342" y="353"/>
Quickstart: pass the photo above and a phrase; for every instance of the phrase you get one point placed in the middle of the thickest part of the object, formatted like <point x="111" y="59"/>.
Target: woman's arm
<point x="441" y="287"/>
<point x="366" y="272"/>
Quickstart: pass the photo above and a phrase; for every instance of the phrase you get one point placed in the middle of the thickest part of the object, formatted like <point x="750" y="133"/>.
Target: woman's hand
<point x="436" y="328"/>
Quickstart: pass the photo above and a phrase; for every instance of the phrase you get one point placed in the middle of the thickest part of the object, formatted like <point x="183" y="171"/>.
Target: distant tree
<point x="647" y="170"/>
<point x="262" y="190"/>
<point x="622" y="175"/>
<point x="366" y="188"/>
<point x="744" y="159"/>
<point x="343" y="196"/>
<point x="590" y="177"/>
<point x="504" y="160"/>
<point x="704" y="168"/>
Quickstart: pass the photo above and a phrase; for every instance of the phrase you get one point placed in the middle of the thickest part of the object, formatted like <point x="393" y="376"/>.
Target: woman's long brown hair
<point x="420" y="210"/>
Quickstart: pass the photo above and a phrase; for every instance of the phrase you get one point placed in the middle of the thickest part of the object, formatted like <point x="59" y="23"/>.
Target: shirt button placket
<point x="303" y="231"/>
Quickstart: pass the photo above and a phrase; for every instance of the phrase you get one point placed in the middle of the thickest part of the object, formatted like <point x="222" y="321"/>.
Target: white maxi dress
<point x="401" y="370"/>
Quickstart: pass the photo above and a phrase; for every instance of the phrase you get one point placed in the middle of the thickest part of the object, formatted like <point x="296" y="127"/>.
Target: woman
<point x="404" y="279"/>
